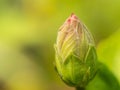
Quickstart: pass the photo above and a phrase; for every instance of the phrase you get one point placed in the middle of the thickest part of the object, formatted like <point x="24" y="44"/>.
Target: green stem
<point x="80" y="88"/>
<point x="104" y="80"/>
<point x="108" y="77"/>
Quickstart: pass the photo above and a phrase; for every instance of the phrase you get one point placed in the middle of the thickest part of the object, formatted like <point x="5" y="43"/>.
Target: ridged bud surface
<point x="76" y="59"/>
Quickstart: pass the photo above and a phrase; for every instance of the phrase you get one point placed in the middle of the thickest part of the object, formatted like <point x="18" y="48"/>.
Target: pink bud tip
<point x="69" y="20"/>
<point x="72" y="18"/>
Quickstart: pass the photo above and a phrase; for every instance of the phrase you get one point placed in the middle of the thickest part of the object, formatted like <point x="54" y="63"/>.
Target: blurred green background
<point x="28" y="30"/>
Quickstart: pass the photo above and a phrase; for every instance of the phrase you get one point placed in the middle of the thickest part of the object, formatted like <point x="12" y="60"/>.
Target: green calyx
<point x="76" y="72"/>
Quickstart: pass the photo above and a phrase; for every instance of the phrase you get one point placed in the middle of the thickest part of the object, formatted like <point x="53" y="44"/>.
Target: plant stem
<point x="80" y="88"/>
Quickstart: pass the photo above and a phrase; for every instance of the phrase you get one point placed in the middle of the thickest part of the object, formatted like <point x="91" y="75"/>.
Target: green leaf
<point x="109" y="53"/>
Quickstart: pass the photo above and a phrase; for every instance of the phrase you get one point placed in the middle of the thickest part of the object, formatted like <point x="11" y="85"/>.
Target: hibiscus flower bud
<point x="76" y="59"/>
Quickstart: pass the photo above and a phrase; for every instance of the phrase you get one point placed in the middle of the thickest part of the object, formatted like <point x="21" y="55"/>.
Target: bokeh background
<point x="28" y="30"/>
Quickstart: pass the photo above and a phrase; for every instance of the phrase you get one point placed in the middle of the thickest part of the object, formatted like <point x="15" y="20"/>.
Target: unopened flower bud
<point x="76" y="59"/>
